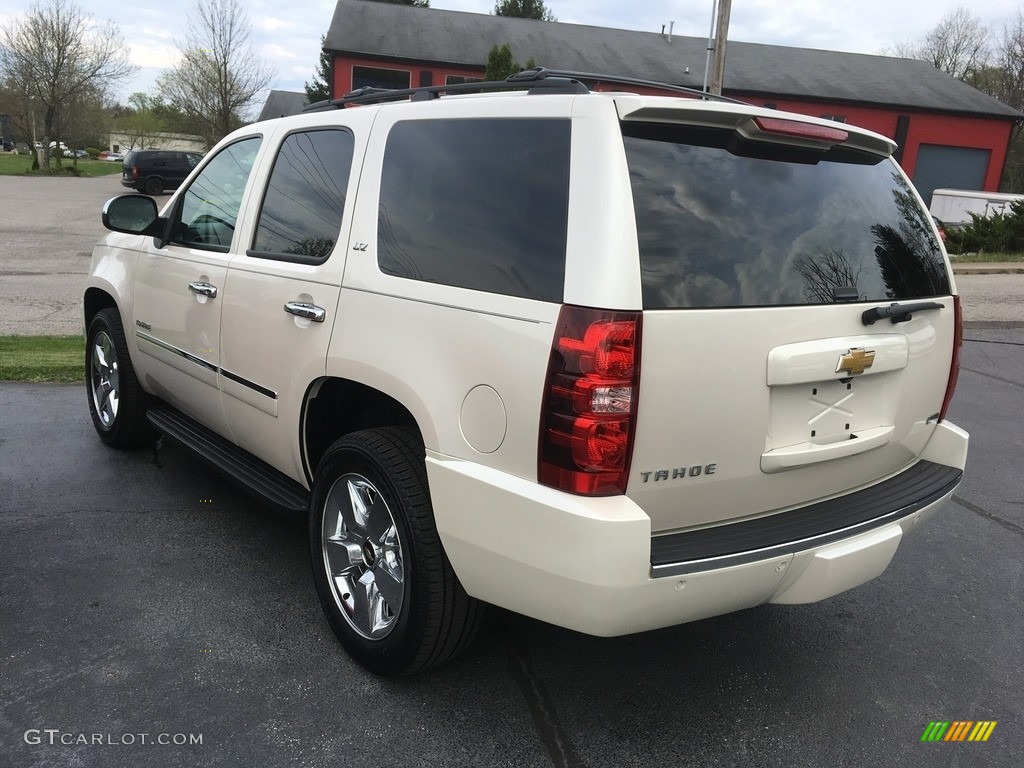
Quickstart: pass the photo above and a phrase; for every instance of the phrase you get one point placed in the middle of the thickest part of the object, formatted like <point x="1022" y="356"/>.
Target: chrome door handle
<point x="308" y="311"/>
<point x="203" y="289"/>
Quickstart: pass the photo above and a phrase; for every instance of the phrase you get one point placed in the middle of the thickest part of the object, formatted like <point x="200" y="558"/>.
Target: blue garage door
<point x="941" y="167"/>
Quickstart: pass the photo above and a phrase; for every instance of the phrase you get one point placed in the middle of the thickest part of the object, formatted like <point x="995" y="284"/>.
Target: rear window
<point x="771" y="227"/>
<point x="477" y="203"/>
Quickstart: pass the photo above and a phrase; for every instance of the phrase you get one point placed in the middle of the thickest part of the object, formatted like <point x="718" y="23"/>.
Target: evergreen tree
<point x="500" y="63"/>
<point x="416" y="3"/>
<point x="320" y="88"/>
<point x="524" y="9"/>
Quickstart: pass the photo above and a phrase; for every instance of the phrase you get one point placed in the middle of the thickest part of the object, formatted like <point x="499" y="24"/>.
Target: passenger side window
<point x="208" y="210"/>
<point x="477" y="203"/>
<point x="301" y="215"/>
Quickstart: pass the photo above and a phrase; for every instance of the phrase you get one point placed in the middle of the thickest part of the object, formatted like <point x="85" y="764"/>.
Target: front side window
<point x="208" y="211"/>
<point x="302" y="208"/>
<point x="726" y="224"/>
<point x="477" y="203"/>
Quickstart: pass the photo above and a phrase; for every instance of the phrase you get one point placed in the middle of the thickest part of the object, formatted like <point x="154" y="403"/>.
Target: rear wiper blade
<point x="898" y="313"/>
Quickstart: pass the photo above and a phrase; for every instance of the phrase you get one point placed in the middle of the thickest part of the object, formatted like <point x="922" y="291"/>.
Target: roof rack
<point x="617" y="80"/>
<point x="533" y="80"/>
<point x="536" y="80"/>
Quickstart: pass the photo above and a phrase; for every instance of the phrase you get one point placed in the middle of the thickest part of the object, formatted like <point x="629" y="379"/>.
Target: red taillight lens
<point x="954" y="366"/>
<point x="590" y="396"/>
<point x="135" y="171"/>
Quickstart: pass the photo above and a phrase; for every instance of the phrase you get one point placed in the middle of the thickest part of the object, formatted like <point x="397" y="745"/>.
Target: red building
<point x="949" y="134"/>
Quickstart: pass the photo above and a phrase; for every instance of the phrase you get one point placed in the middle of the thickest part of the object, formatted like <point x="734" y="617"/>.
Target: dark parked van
<point x="154" y="170"/>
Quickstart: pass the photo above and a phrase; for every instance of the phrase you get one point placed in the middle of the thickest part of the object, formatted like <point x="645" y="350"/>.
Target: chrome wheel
<point x="103" y="379"/>
<point x="363" y="557"/>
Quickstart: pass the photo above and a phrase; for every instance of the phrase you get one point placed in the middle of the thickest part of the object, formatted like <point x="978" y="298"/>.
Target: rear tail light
<point x="135" y="171"/>
<point x="954" y="366"/>
<point x="590" y="398"/>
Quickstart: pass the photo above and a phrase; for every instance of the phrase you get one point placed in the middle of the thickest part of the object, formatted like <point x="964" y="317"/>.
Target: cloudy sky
<point x="288" y="34"/>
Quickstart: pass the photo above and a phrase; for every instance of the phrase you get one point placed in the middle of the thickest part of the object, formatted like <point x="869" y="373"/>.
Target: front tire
<point x="117" y="402"/>
<point x="384" y="582"/>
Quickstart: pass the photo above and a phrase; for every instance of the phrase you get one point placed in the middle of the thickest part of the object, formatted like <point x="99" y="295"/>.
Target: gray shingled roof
<point x="377" y="29"/>
<point x="282" y="104"/>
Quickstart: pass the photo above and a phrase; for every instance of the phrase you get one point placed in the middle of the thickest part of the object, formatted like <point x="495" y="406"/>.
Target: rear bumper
<point x="591" y="564"/>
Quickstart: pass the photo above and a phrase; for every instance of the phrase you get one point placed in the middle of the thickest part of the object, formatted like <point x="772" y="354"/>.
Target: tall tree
<point x="140" y="123"/>
<point x="958" y="45"/>
<point x="58" y="58"/>
<point x="1008" y="82"/>
<point x="220" y="76"/>
<point x="320" y="88"/>
<point x="524" y="9"/>
<point x="500" y="63"/>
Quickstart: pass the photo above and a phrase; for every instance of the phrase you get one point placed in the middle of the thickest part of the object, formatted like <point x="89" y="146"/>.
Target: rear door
<point x="763" y="386"/>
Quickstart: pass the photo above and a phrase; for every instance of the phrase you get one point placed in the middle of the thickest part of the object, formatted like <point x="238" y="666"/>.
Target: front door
<point x="179" y="288"/>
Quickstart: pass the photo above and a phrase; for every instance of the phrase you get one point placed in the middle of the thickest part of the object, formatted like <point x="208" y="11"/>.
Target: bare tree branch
<point x="57" y="57"/>
<point x="219" y="76"/>
<point x="957" y="45"/>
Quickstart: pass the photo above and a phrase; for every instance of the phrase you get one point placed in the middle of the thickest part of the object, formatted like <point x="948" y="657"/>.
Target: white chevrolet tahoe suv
<point x="612" y="361"/>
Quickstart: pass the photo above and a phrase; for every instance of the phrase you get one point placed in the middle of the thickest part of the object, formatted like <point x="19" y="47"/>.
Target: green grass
<point x="987" y="258"/>
<point x="13" y="165"/>
<point x="42" y="358"/>
<point x="18" y="165"/>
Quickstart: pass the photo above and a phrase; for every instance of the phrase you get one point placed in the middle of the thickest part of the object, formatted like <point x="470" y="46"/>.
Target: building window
<point x="836" y="118"/>
<point x="459" y="79"/>
<point x="376" y="77"/>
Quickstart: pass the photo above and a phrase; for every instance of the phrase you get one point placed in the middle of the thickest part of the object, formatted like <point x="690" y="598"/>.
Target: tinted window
<point x="208" y="210"/>
<point x="374" y="77"/>
<point x="478" y="204"/>
<point x="305" y="197"/>
<point x="725" y="225"/>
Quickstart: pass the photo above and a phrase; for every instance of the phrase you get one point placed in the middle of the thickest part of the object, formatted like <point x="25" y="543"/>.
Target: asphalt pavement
<point x="143" y="597"/>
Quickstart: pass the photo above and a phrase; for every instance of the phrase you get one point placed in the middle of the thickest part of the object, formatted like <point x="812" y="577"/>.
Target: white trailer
<point x="953" y="207"/>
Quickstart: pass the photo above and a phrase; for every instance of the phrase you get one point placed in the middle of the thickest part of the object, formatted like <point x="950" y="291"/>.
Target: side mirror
<point x="133" y="215"/>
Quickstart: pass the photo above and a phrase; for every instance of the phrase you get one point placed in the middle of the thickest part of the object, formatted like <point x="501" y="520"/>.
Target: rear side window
<point x="305" y="197"/>
<point x="721" y="229"/>
<point x="480" y="204"/>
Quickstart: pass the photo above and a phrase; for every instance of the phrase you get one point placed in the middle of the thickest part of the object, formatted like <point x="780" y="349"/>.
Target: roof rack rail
<point x="617" y="80"/>
<point x="536" y="80"/>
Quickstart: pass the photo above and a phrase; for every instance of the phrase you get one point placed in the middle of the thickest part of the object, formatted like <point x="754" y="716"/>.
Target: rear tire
<point x="384" y="581"/>
<point x="154" y="186"/>
<point x="117" y="402"/>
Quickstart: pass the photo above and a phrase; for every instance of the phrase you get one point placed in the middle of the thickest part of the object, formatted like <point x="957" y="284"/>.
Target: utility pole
<point x="721" y="38"/>
<point x="711" y="45"/>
